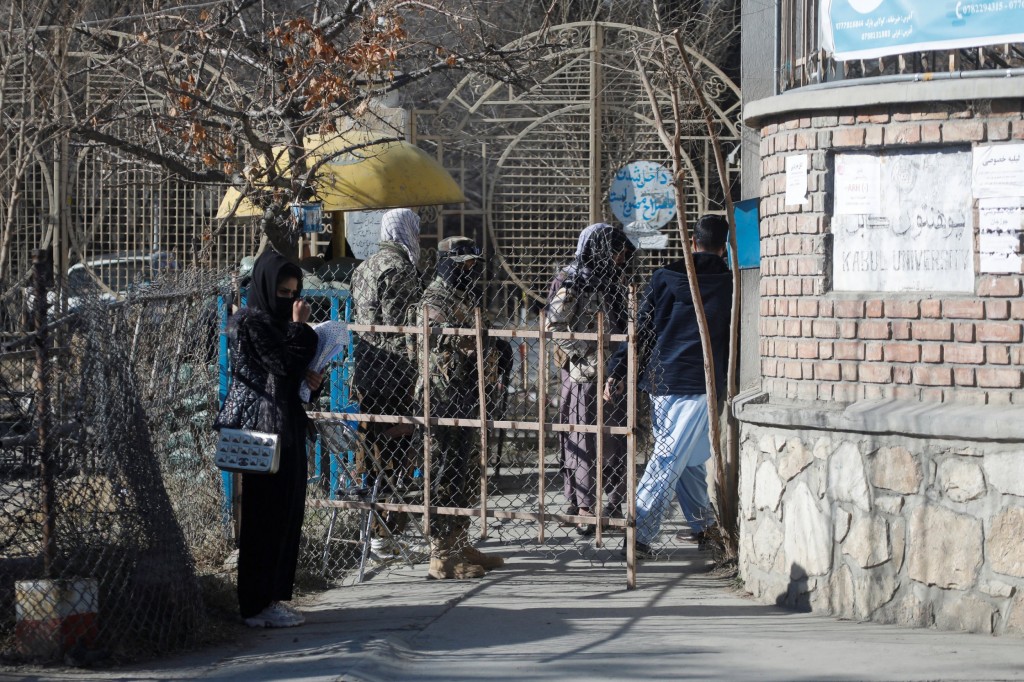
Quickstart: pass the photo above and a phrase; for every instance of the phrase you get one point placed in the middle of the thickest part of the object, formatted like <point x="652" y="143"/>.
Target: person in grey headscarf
<point x="383" y="288"/>
<point x="592" y="283"/>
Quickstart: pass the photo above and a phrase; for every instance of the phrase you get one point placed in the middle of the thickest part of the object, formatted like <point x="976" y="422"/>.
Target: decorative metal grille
<point x="549" y="151"/>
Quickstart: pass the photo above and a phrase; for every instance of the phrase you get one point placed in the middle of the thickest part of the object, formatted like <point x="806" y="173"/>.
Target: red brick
<point x="874" y="308"/>
<point x="1017" y="310"/>
<point x="827" y="371"/>
<point x="807" y="307"/>
<point x="826" y="329"/>
<point x="769" y="367"/>
<point x="848" y="137"/>
<point x="1002" y="332"/>
<point x="906" y="393"/>
<point x="933" y="376"/>
<point x="997" y="355"/>
<point x="965" y="354"/>
<point x="874" y="373"/>
<point x="807" y="350"/>
<point x="999" y="378"/>
<point x="931" y="132"/>
<point x="907" y="134"/>
<point x="964" y="333"/>
<point x="963" y="131"/>
<point x="848" y="330"/>
<point x="791" y="370"/>
<point x="825" y="351"/>
<point x="931" y="353"/>
<point x="901" y="374"/>
<point x="997" y="310"/>
<point x="931" y="395"/>
<point x="903" y="309"/>
<point x="849" y="309"/>
<point x="999" y="286"/>
<point x="873" y="352"/>
<point x="873" y="137"/>
<point x="849" y="372"/>
<point x="849" y="350"/>
<point x="933" y="331"/>
<point x="901" y="330"/>
<point x="963" y="309"/>
<point x="874" y="330"/>
<point x="931" y="308"/>
<point x="902" y="352"/>
<point x="964" y="376"/>
<point x="791" y="328"/>
<point x="998" y="131"/>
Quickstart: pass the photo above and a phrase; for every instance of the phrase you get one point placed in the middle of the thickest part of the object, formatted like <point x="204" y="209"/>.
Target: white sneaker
<point x="277" y="615"/>
<point x="384" y="548"/>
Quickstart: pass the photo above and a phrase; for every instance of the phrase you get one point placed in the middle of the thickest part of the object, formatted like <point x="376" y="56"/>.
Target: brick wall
<point x="816" y="344"/>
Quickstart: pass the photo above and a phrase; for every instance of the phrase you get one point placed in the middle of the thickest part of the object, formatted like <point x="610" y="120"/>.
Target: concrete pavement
<point x="540" y="619"/>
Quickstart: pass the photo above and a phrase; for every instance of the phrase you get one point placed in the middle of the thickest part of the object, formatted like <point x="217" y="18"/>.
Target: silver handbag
<point x="248" y="452"/>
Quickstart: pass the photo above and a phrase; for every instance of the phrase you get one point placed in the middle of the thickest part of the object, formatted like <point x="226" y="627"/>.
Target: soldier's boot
<point x="446" y="564"/>
<point x="473" y="555"/>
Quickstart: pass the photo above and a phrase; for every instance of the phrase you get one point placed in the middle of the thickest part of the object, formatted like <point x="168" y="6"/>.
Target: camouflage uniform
<point x="384" y="287"/>
<point x="455" y="451"/>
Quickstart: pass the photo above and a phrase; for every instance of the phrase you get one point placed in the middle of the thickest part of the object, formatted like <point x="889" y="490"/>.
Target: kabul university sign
<point x="867" y="29"/>
<point x="903" y="222"/>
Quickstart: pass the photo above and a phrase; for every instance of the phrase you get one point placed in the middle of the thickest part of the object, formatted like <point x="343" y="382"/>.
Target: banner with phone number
<point x="867" y="29"/>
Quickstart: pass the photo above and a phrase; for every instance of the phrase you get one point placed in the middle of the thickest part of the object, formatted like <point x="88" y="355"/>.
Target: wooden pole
<point x="47" y="483"/>
<point x="599" y="436"/>
<point x="425" y="374"/>
<point x="631" y="382"/>
<point x="542" y="401"/>
<point x="482" y="397"/>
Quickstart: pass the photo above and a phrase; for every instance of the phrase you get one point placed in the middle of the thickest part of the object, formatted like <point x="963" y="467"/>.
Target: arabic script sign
<point x="910" y="228"/>
<point x="642" y="192"/>
<point x="866" y="29"/>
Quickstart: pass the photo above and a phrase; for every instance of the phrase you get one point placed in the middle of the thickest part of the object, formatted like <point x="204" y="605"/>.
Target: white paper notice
<point x="999" y="235"/>
<point x="998" y="171"/>
<point x="362" y="230"/>
<point x="858" y="188"/>
<point x="796" y="180"/>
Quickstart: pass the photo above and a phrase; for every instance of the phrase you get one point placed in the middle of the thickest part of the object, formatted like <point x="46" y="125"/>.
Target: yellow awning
<point x="388" y="174"/>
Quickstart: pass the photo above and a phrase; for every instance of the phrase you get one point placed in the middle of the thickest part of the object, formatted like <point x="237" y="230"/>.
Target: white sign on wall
<point x="914" y="225"/>
<point x="998" y="171"/>
<point x="643" y="198"/>
<point x="796" y="180"/>
<point x="362" y="231"/>
<point x="999" y="235"/>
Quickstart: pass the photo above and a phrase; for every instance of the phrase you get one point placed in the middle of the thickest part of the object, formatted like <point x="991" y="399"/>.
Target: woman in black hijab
<point x="271" y="348"/>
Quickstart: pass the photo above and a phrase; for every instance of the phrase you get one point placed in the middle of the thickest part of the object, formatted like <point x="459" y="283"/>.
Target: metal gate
<point x="536" y="162"/>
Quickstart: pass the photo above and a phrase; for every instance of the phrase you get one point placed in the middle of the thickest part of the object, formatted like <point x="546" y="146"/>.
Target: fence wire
<point x="110" y="491"/>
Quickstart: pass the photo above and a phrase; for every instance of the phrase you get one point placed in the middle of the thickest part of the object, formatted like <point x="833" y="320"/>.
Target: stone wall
<point x="894" y="529"/>
<point x="816" y="344"/>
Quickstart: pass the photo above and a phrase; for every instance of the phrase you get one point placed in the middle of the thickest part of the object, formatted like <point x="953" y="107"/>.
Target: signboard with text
<point x="867" y="29"/>
<point x="903" y="222"/>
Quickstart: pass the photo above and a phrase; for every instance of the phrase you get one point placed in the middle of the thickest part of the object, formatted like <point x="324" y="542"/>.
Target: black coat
<point x="669" y="348"/>
<point x="269" y="359"/>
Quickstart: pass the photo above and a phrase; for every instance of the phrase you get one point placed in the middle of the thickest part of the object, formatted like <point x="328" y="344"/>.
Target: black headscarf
<point x="268" y="271"/>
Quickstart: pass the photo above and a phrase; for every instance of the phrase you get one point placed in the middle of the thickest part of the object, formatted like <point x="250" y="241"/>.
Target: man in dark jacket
<point x="671" y="365"/>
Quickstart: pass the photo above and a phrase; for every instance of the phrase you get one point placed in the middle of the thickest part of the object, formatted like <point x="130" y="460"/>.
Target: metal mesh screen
<point x="549" y="151"/>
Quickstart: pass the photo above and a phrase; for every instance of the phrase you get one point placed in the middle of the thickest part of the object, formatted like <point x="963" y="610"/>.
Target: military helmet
<point x="458" y="249"/>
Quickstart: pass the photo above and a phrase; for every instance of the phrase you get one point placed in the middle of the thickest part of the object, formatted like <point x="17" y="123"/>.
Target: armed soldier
<point x="449" y="301"/>
<point x="384" y="288"/>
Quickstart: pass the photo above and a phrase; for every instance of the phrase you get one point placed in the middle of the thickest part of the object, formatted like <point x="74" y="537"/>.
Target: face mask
<point x="283" y="307"/>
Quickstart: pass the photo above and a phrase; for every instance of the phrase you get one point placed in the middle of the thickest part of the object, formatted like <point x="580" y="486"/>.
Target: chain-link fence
<point x="117" y="531"/>
<point x="537" y="477"/>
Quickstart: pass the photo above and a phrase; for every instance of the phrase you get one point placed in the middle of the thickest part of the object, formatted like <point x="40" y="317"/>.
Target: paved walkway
<point x="543" y="620"/>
